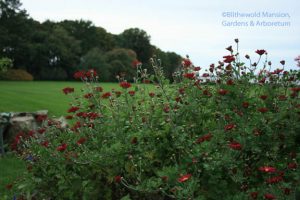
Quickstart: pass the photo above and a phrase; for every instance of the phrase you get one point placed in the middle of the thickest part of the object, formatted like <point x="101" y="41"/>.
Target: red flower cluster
<point x="229" y="127"/>
<point x="197" y="68"/>
<point x="151" y="94"/>
<point x="274" y="179"/>
<point x="68" y="90"/>
<point x="41" y="118"/>
<point x="106" y="95"/>
<point x="263" y="110"/>
<point x="45" y="143"/>
<point x="263" y="97"/>
<point x="189" y="75"/>
<point x="118" y="179"/>
<point x="131" y="92"/>
<point x="206" y="137"/>
<point x="62" y="147"/>
<point x="81" y="141"/>
<point x="269" y="196"/>
<point x="267" y="169"/>
<point x="135" y="63"/>
<point x="184" y="178"/>
<point x="228" y="59"/>
<point x="125" y="84"/>
<point x="235" y="146"/>
<point x="186" y="62"/>
<point x="223" y="92"/>
<point x="245" y="104"/>
<point x="88" y="95"/>
<point x="73" y="109"/>
<point x="91" y="73"/>
<point x="79" y="75"/>
<point x="292" y="165"/>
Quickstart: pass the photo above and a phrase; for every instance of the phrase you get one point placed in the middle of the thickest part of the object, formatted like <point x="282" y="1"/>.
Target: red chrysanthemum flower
<point x="292" y="165"/>
<point x="118" y="179"/>
<point x="263" y="110"/>
<point x="274" y="179"/>
<point x="88" y="95"/>
<point x="151" y="94"/>
<point x="41" y="130"/>
<point x="73" y="109"/>
<point x="269" y="196"/>
<point x="189" y="75"/>
<point x="165" y="178"/>
<point x="135" y="63"/>
<point x="282" y="97"/>
<point x="229" y="127"/>
<point x="186" y="62"/>
<point x="184" y="178"/>
<point x="81" y="141"/>
<point x="166" y="109"/>
<point x="106" y="95"/>
<point x="295" y="89"/>
<point x="223" y="92"/>
<point x="235" y="146"/>
<point x="254" y="195"/>
<point x="263" y="97"/>
<point x="267" y="169"/>
<point x="228" y="59"/>
<point x="62" y="147"/>
<point x="68" y="90"/>
<point x="131" y="93"/>
<point x="206" y="137"/>
<point x="79" y="75"/>
<point x="45" y="143"/>
<point x="230" y="82"/>
<point x="41" y="118"/>
<point x="260" y="52"/>
<point x="205" y="75"/>
<point x="245" y="104"/>
<point x="91" y="73"/>
<point x="197" y="68"/>
<point x="125" y="84"/>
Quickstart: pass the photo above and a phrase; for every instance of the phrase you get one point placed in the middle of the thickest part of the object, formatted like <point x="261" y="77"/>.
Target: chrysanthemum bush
<point x="229" y="132"/>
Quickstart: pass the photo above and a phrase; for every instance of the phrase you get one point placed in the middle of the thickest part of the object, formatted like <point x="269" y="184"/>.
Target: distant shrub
<point x="53" y="74"/>
<point x="16" y="75"/>
<point x="5" y="64"/>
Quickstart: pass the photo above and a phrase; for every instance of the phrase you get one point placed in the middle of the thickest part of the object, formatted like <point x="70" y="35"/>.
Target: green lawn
<point x="19" y="96"/>
<point x="11" y="167"/>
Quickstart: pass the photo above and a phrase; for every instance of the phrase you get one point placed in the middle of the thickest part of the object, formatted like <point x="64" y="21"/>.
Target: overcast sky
<point x="194" y="27"/>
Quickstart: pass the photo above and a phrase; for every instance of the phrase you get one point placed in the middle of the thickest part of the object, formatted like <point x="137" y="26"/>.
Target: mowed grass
<point x="11" y="168"/>
<point x="19" y="96"/>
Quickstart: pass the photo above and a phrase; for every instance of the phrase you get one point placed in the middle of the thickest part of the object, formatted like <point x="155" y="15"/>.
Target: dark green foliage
<point x="64" y="46"/>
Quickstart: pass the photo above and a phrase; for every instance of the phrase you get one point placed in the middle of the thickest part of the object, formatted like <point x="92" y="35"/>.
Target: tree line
<point x="55" y="50"/>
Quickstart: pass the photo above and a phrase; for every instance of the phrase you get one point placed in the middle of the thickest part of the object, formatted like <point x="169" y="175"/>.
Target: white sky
<point x="192" y="27"/>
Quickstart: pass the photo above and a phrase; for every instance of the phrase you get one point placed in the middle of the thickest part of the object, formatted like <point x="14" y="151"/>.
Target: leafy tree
<point x="137" y="40"/>
<point x="89" y="35"/>
<point x="94" y="59"/>
<point x="120" y="61"/>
